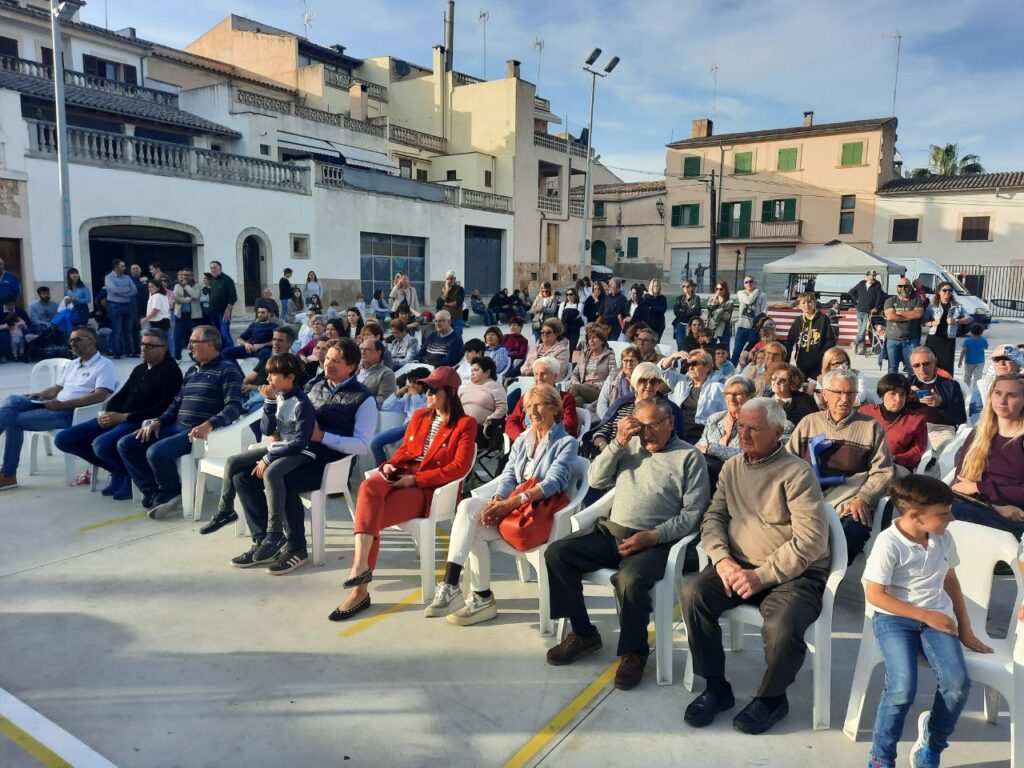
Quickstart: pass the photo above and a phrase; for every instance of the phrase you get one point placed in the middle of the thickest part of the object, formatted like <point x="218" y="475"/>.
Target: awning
<point x="307" y="144"/>
<point x="365" y="158"/>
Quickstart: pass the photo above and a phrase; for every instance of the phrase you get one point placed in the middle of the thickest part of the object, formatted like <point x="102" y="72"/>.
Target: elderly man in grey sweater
<point x="661" y="492"/>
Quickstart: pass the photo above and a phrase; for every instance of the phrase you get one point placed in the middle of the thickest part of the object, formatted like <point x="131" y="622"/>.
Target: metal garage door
<point x="753" y="264"/>
<point x="679" y="260"/>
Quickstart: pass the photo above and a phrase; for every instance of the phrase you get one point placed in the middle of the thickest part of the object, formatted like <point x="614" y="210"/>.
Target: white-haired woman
<point x="696" y="395"/>
<point x="648" y="381"/>
<point x="539" y="467"/>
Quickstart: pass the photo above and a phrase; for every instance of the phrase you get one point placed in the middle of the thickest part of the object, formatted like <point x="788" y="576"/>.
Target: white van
<point x="931" y="273"/>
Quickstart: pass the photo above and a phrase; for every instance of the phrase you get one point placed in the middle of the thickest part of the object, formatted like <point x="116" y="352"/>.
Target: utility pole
<point x="594" y="74"/>
<point x="713" y="238"/>
<point x="62" y="11"/>
<point x="484" y="17"/>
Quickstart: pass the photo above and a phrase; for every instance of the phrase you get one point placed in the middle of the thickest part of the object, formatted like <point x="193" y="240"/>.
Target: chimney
<point x="357" y="102"/>
<point x="700" y="129"/>
<point x="809" y="117"/>
<point x="449" y="37"/>
<point x="512" y="69"/>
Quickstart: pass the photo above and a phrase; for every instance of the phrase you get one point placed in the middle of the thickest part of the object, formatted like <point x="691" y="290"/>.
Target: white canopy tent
<point x="835" y="258"/>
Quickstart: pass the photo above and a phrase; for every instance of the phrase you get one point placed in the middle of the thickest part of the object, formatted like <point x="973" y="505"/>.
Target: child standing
<point x="288" y="420"/>
<point x="16" y="327"/>
<point x="809" y="336"/>
<point x="972" y="351"/>
<point x="919" y="609"/>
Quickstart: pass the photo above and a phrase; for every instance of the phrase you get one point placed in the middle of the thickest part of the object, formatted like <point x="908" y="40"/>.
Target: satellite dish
<point x="402" y="68"/>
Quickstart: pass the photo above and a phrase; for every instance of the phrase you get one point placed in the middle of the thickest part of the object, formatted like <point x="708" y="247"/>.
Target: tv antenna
<point x="307" y="18"/>
<point x="484" y="17"/>
<point x="539" y="45"/>
<point x="896" y="80"/>
<point x="713" y="71"/>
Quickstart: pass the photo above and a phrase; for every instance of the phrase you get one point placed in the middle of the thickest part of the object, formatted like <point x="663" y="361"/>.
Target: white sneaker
<point x="922" y="739"/>
<point x="169" y="508"/>
<point x="477" y="610"/>
<point x="447" y="598"/>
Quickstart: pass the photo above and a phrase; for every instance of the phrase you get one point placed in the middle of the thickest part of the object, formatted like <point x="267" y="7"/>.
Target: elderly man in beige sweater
<point x="766" y="534"/>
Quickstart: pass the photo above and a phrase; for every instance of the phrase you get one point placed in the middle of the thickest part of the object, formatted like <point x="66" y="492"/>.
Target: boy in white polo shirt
<point x="919" y="609"/>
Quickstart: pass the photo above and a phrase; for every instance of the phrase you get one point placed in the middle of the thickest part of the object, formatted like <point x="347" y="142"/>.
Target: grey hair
<point x="212" y="335"/>
<point x="843" y="374"/>
<point x="661" y="405"/>
<point x="773" y="412"/>
<point x="549" y="364"/>
<point x="743" y="381"/>
<point x="926" y="351"/>
<point x="156" y="333"/>
<point x="287" y="330"/>
<point x="91" y="332"/>
<point x="646" y="371"/>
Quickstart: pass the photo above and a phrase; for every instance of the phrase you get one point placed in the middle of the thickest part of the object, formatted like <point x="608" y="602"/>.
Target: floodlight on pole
<point x="594" y="74"/>
<point x="62" y="10"/>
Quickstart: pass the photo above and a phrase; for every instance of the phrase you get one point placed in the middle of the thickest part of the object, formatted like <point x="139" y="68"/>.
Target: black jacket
<point x="686" y="309"/>
<point x="148" y="391"/>
<point x="868" y="297"/>
<point x="652" y="311"/>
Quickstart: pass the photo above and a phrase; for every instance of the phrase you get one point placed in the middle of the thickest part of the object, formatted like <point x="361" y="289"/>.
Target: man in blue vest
<point x="346" y="416"/>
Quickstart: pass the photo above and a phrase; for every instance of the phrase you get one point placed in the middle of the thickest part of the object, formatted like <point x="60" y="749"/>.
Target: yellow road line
<point x="367" y="623"/>
<point x="115" y="521"/>
<point x="30" y="745"/>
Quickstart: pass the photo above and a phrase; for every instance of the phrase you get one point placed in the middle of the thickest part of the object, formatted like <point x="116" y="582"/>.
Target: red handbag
<point x="530" y="525"/>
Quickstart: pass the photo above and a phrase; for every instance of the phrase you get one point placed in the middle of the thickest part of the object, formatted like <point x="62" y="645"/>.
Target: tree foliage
<point x="947" y="161"/>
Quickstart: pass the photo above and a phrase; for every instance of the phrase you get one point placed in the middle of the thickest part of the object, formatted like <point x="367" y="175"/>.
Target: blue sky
<point x="961" y="68"/>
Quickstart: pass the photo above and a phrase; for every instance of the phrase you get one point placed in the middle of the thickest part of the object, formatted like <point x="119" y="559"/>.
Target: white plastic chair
<point x="665" y="349"/>
<point x="584" y="418"/>
<point x="561" y="527"/>
<point x="926" y="459"/>
<point x="335" y="480"/>
<point x="424" y="529"/>
<point x="662" y="594"/>
<point x="79" y="416"/>
<point x="820" y="632"/>
<point x="947" y="459"/>
<point x="44" y="375"/>
<point x="1001" y="673"/>
<point x="617" y="347"/>
<point x="207" y="460"/>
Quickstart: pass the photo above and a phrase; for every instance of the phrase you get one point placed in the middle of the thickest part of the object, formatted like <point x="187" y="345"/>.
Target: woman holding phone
<point x="437" y="449"/>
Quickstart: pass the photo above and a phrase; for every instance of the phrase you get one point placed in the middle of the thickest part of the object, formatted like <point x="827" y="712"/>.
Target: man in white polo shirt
<point x="89" y="378"/>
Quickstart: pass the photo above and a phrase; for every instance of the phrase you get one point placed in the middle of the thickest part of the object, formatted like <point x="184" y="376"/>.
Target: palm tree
<point x="946" y="161"/>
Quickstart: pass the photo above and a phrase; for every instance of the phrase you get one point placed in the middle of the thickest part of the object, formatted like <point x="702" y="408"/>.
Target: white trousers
<point x="469" y="542"/>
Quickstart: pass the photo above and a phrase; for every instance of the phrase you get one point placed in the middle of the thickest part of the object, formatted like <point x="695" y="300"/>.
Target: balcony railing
<point x="760" y="230"/>
<point x="92" y="82"/>
<point x="549" y="204"/>
<point x="488" y="201"/>
<point x="268" y="104"/>
<point x="576" y="208"/>
<point x="334" y="176"/>
<point x="559" y="145"/>
<point x="542" y="104"/>
<point x="344" y="80"/>
<point x="115" y="150"/>
<point x="401" y="135"/>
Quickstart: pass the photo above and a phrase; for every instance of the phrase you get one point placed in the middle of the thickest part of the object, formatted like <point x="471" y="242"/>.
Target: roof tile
<point x="969" y="182"/>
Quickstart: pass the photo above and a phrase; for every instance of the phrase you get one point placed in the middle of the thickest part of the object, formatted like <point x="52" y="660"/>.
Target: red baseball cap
<point x="442" y="377"/>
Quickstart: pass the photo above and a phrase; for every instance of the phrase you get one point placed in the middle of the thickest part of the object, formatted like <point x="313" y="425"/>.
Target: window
<point x="599" y="209"/>
<point x="853" y="153"/>
<point x="300" y="246"/>
<point x="846" y="206"/>
<point x="382" y="255"/>
<point x="687" y="215"/>
<point x="421" y="174"/>
<point x="405" y="167"/>
<point x="216" y="148"/>
<point x="779" y="210"/>
<point x="904" y="230"/>
<point x="265" y="149"/>
<point x="449" y="176"/>
<point x="111" y="70"/>
<point x="691" y="167"/>
<point x="632" y="247"/>
<point x="743" y="162"/>
<point x="9" y="47"/>
<point x="488" y="179"/>
<point x="787" y="159"/>
<point x="975" y="228"/>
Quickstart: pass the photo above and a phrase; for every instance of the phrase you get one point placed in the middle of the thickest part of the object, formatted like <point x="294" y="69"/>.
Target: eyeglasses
<point x="644" y="340"/>
<point x="923" y="364"/>
<point x="781" y="380"/>
<point x="193" y="342"/>
<point x="842" y="393"/>
<point x="652" y="426"/>
<point x="364" y="350"/>
<point x="1001" y="359"/>
<point x="547" y="333"/>
<point x="748" y="282"/>
<point x="631" y="361"/>
<point x="146" y="345"/>
<point x="648" y="382"/>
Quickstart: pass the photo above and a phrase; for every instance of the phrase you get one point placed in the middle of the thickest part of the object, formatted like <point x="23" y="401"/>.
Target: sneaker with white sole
<point x="476" y="611"/>
<point x="447" y="599"/>
<point x="166" y="509"/>
<point x="921" y="754"/>
<point x="287" y="561"/>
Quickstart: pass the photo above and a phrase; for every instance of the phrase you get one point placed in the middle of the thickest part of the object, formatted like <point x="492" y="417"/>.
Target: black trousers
<point x="788" y="610"/>
<point x="302" y="480"/>
<point x="857" y="535"/>
<point x="569" y="558"/>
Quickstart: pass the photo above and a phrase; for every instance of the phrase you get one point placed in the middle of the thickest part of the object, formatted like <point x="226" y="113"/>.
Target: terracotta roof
<point x="112" y="103"/>
<point x="969" y="183"/>
<point x="824" y="129"/>
<point x="624" y="190"/>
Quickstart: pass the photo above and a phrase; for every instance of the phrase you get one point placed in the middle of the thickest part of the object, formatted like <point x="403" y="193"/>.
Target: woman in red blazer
<point x="437" y="448"/>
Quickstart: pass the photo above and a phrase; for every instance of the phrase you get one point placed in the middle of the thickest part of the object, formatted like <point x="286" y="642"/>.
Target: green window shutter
<point x="787" y="159"/>
<point x="598" y="209"/>
<point x="743" y="162"/>
<point x="789" y="209"/>
<point x="694" y="214"/>
<point x="767" y="210"/>
<point x="691" y="167"/>
<point x="725" y="215"/>
<point x="744" y="228"/>
<point x="853" y="153"/>
<point x="632" y="247"/>
<point x="677" y="215"/>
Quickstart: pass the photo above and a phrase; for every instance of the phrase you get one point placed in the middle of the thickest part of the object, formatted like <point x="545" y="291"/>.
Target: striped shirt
<point x="210" y="392"/>
<point x="434" y="426"/>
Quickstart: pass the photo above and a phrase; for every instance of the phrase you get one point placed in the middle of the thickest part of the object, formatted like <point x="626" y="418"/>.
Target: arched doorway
<point x="252" y="263"/>
<point x="598" y="252"/>
<point x="139" y="244"/>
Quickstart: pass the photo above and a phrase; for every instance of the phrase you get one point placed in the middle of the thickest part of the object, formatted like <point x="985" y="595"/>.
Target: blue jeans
<point x="237" y="352"/>
<point x="862" y="328"/>
<point x="284" y="308"/>
<point x="182" y="330"/>
<point x="897" y="351"/>
<point x="485" y="314"/>
<point x="901" y="641"/>
<point x="743" y="335"/>
<point x="18" y="414"/>
<point x="153" y="466"/>
<point x="95" y="444"/>
<point x="457" y="324"/>
<point x="120" y="318"/>
<point x="218" y="322"/>
<point x="679" y="332"/>
<point x="384" y="439"/>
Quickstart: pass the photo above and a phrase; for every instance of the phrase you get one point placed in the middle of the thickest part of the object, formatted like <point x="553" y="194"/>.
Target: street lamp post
<point x="62" y="10"/>
<point x="594" y="74"/>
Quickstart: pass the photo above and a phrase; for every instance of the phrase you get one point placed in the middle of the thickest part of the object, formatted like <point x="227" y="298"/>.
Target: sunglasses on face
<point x="920" y="365"/>
<point x="903" y="286"/>
<point x="432" y="390"/>
<point x="946" y="290"/>
<point x="694" y="364"/>
<point x="748" y="282"/>
<point x="777" y="380"/>
<point x="648" y="382"/>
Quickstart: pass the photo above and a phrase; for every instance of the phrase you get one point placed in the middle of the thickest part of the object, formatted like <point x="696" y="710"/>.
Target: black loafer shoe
<point x="339" y="615"/>
<point x="757" y="718"/>
<point x="701" y="711"/>
<point x="363" y="578"/>
<point x="219" y="521"/>
<point x="148" y="500"/>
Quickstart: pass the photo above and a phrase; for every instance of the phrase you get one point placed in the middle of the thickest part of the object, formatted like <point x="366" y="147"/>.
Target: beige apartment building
<point x="779" y="190"/>
<point x="628" y="230"/>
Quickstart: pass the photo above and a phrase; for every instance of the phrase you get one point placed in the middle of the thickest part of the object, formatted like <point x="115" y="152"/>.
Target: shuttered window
<point x="9" y="47"/>
<point x="743" y="162"/>
<point x="853" y="153"/>
<point x="975" y="228"/>
<point x="779" y="210"/>
<point x="905" y="230"/>
<point x="599" y="209"/>
<point x="691" y="167"/>
<point x="687" y="215"/>
<point x="787" y="159"/>
<point x="632" y="248"/>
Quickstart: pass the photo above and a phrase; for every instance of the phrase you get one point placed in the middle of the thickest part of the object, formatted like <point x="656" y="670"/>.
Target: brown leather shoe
<point x="574" y="646"/>
<point x="630" y="671"/>
<point x="8" y="482"/>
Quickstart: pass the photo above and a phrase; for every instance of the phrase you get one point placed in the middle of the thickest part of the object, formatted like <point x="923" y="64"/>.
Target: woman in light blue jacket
<point x="697" y="395"/>
<point x="942" y="317"/>
<point x="545" y="452"/>
<point x="77" y="296"/>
